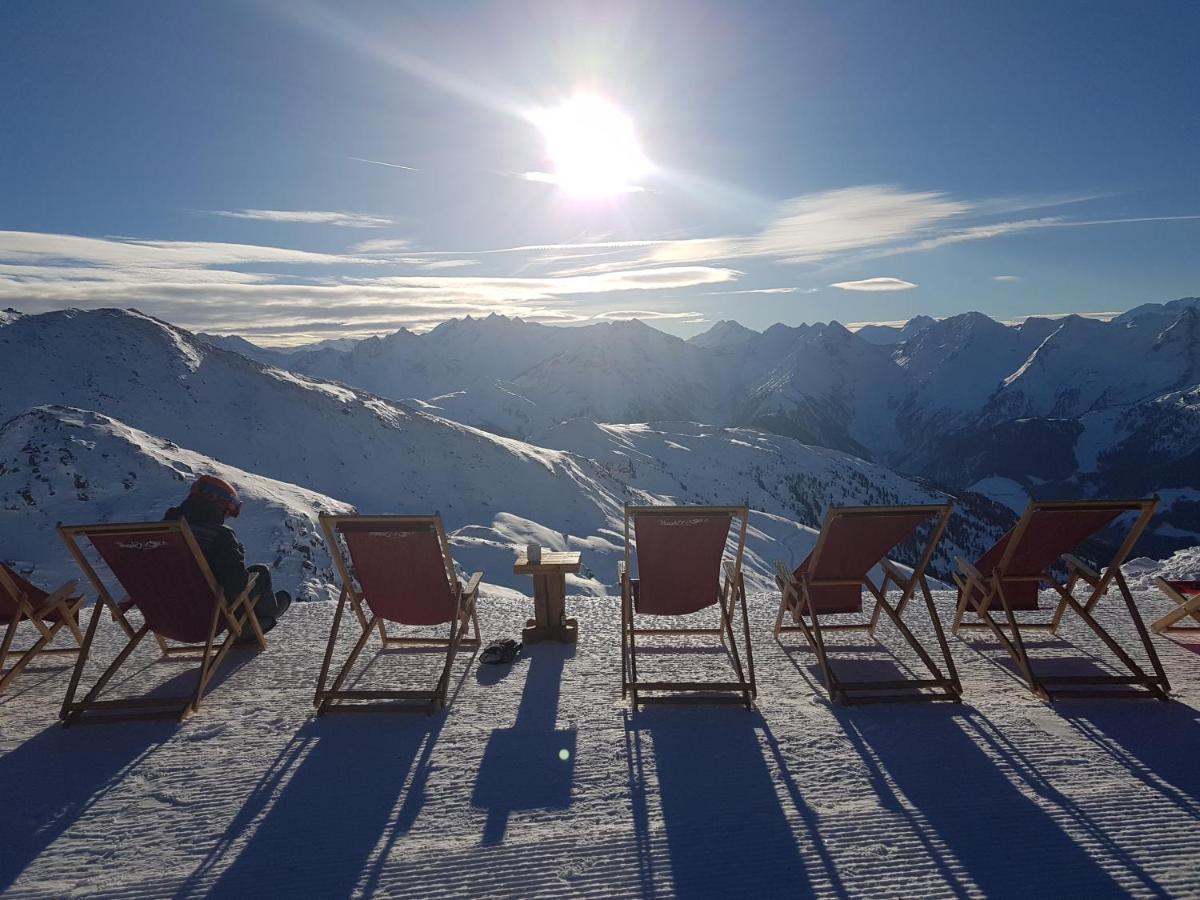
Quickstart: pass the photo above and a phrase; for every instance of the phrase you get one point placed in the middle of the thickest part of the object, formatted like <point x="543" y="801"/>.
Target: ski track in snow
<point x="1000" y="796"/>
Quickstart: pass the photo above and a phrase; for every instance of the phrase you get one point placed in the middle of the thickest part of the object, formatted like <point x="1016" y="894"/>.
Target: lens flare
<point x="592" y="146"/>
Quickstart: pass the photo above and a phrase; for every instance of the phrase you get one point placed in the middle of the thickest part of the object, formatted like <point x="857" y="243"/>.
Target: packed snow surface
<point x="539" y="782"/>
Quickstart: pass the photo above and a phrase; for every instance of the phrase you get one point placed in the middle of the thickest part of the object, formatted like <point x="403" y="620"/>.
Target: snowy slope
<point x="540" y="783"/>
<point x="1082" y="367"/>
<point x="624" y="372"/>
<point x="830" y="388"/>
<point x="889" y="335"/>
<point x="725" y="333"/>
<point x="65" y="465"/>
<point x="787" y="482"/>
<point x="151" y="384"/>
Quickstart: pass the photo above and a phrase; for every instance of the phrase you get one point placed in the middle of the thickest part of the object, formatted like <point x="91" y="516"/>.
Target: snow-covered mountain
<point x="889" y="335"/>
<point x="108" y="413"/>
<point x="1052" y="407"/>
<point x="64" y="465"/>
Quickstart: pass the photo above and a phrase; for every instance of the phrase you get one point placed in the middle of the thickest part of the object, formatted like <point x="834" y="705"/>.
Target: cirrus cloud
<point x="308" y="217"/>
<point x="875" y="284"/>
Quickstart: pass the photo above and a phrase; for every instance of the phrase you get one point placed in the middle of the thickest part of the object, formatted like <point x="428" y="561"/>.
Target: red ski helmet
<point x="211" y="489"/>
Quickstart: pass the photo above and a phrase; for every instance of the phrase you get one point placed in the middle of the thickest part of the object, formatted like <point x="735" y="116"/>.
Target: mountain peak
<point x="724" y="333"/>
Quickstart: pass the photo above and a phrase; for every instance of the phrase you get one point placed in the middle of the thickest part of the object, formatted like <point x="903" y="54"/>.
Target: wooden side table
<point x="550" y="622"/>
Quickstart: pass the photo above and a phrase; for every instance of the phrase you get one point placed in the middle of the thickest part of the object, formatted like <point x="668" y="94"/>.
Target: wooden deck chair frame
<point x="63" y="601"/>
<point x="236" y="616"/>
<point x="732" y="594"/>
<point x="795" y="598"/>
<point x="428" y="701"/>
<point x="1185" y="607"/>
<point x="981" y="592"/>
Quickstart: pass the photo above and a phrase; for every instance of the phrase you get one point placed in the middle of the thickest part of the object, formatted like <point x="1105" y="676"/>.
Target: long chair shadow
<point x="989" y="734"/>
<point x="52" y="780"/>
<point x="719" y="806"/>
<point x="532" y="764"/>
<point x="974" y="821"/>
<point x="1156" y="743"/>
<point x="315" y="818"/>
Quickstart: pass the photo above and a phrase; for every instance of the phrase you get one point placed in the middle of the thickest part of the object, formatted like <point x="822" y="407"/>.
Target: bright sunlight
<point x="593" y="148"/>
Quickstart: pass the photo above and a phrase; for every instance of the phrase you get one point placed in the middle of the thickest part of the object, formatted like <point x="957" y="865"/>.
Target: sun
<point x="592" y="146"/>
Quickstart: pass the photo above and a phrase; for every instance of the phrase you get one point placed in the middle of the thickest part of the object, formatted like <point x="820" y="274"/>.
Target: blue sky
<point x="861" y="161"/>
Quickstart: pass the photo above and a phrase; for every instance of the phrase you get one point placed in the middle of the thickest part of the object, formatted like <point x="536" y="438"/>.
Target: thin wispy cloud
<point x="844" y="225"/>
<point x="380" y="162"/>
<point x="771" y="290"/>
<point x="1006" y="278"/>
<point x="308" y="217"/>
<point x="46" y="248"/>
<point x="649" y="315"/>
<point x="382" y="245"/>
<point x="875" y="284"/>
<point x="198" y="286"/>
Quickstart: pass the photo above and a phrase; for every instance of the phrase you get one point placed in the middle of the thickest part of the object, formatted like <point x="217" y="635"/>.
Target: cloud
<point x="198" y="286"/>
<point x="852" y="224"/>
<point x="380" y="162"/>
<point x="648" y="315"/>
<point x="875" y="284"/>
<point x="307" y="217"/>
<point x="40" y="247"/>
<point x="1006" y="278"/>
<point x="774" y="290"/>
<point x="381" y="245"/>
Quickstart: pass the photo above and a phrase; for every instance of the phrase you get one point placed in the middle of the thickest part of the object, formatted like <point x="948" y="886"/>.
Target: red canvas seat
<point x="672" y="567"/>
<point x="399" y="569"/>
<point x="832" y="579"/>
<point x="1186" y="595"/>
<point x="46" y="612"/>
<point x="165" y="579"/>
<point x="1006" y="579"/>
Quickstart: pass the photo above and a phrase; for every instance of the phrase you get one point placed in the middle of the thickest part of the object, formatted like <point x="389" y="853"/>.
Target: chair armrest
<point x="968" y="569"/>
<point x="1078" y="565"/>
<point x="472" y="584"/>
<point x="894" y="570"/>
<point x="58" y="599"/>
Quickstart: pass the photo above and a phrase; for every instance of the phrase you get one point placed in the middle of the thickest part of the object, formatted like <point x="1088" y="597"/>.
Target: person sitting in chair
<point x="208" y="504"/>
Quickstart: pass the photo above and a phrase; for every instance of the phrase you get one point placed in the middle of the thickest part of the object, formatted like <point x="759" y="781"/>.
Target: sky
<point x="295" y="170"/>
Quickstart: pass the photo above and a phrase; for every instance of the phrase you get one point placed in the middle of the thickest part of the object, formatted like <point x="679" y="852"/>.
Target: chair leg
<point x="741" y="590"/>
<point x="329" y="645"/>
<point x="783" y="593"/>
<point x="1017" y="645"/>
<point x="28" y="655"/>
<point x="81" y="660"/>
<point x="345" y="670"/>
<point x="9" y="634"/>
<point x="73" y="715"/>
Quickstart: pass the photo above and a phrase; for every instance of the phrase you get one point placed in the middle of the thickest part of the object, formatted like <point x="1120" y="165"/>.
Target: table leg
<point x="549" y="604"/>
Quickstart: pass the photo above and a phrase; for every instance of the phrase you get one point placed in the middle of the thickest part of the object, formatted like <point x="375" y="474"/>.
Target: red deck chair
<point x="400" y="568"/>
<point x="1006" y="580"/>
<point x="853" y="541"/>
<point x="1187" y="595"/>
<point x="679" y="550"/>
<point x="167" y="580"/>
<point x="47" y="612"/>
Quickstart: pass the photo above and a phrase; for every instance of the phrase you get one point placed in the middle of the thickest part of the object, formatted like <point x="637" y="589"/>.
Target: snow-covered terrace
<point x="539" y="782"/>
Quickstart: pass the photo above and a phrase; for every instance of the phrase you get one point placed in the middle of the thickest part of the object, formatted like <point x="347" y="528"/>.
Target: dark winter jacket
<point x="225" y="555"/>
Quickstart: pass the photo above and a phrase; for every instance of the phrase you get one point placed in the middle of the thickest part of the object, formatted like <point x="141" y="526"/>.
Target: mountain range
<point x="1050" y="407"/>
<point x="520" y="432"/>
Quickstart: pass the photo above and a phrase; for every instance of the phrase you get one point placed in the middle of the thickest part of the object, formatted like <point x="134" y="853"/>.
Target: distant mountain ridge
<point x="1053" y="407"/>
<point x="106" y="415"/>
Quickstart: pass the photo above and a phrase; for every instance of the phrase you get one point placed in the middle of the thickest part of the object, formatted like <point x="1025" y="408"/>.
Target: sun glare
<point x="592" y="146"/>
